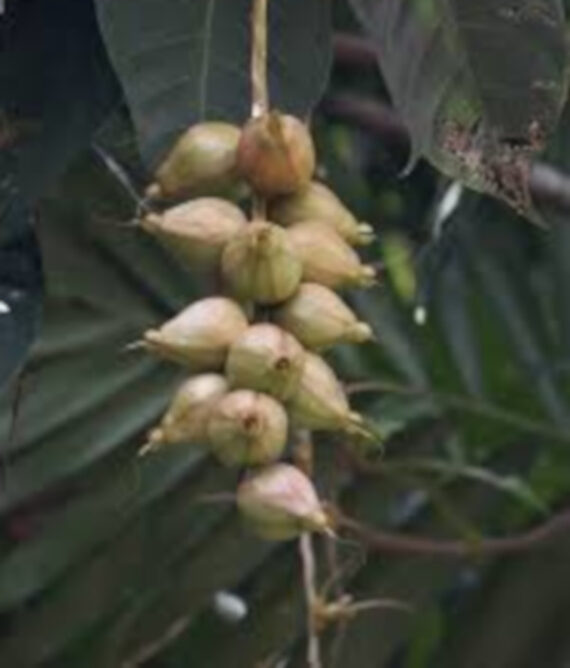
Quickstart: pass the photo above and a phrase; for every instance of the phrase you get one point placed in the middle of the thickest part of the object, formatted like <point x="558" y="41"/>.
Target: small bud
<point x="317" y="202"/>
<point x="266" y="358"/>
<point x="187" y="417"/>
<point x="280" y="503"/>
<point x="201" y="162"/>
<point x="247" y="428"/>
<point x="199" y="336"/>
<point x="276" y="154"/>
<point x="319" y="318"/>
<point x="327" y="259"/>
<point x="198" y="230"/>
<point x="260" y="264"/>
<point x="320" y="402"/>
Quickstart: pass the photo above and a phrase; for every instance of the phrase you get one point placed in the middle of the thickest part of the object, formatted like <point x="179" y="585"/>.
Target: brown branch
<point x="351" y="49"/>
<point x="548" y="185"/>
<point x="393" y="543"/>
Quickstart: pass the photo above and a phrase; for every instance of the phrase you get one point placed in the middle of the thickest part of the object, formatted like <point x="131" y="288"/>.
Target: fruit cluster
<point x="255" y="347"/>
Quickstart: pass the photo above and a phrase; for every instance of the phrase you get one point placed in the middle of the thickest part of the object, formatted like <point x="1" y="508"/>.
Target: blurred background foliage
<point x="110" y="560"/>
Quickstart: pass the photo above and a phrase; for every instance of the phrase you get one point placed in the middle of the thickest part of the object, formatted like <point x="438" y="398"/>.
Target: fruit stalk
<point x="259" y="87"/>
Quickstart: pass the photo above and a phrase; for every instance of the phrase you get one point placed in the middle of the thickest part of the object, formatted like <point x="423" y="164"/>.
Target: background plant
<point x="109" y="561"/>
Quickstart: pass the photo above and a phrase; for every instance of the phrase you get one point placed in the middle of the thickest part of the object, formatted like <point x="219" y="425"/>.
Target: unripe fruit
<point x="247" y="428"/>
<point x="202" y="162"/>
<point x="260" y="264"/>
<point x="267" y="359"/>
<point x="199" y="336"/>
<point x="187" y="417"/>
<point x="326" y="258"/>
<point x="319" y="318"/>
<point x="320" y="402"/>
<point x="317" y="202"/>
<point x="280" y="502"/>
<point x="198" y="230"/>
<point x="276" y="154"/>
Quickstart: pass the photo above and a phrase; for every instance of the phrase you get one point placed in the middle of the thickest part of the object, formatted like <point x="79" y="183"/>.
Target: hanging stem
<point x="259" y="88"/>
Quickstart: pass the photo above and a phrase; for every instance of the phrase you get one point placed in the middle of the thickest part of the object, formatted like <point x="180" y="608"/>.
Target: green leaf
<point x="479" y="84"/>
<point x="182" y="61"/>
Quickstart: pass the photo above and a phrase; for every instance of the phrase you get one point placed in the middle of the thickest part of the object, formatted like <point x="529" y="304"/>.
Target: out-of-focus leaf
<point x="182" y="61"/>
<point x="427" y="635"/>
<point x="510" y="484"/>
<point x="56" y="87"/>
<point x="510" y="293"/>
<point x="479" y="84"/>
<point x="457" y="325"/>
<point x="20" y="289"/>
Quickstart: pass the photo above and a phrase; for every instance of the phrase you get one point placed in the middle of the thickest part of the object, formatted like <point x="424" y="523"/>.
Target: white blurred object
<point x="230" y="607"/>
<point x="447" y="205"/>
<point x="420" y="315"/>
<point x="4" y="307"/>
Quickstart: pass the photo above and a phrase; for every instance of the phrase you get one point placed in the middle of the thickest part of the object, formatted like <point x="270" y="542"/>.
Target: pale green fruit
<point x="326" y="258"/>
<point x="317" y="202"/>
<point x="266" y="358"/>
<point x="247" y="428"/>
<point x="260" y="264"/>
<point x="201" y="162"/>
<point x="280" y="503"/>
<point x="320" y="402"/>
<point x="318" y="318"/>
<point x="276" y="154"/>
<point x="199" y="337"/>
<point x="186" y="419"/>
<point x="198" y="230"/>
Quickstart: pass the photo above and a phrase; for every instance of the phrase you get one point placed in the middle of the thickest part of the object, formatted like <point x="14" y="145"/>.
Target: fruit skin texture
<point x="247" y="428"/>
<point x="199" y="336"/>
<point x="280" y="502"/>
<point x="320" y="319"/>
<point x="260" y="264"/>
<point x="197" y="230"/>
<point x="201" y="162"/>
<point x="326" y="258"/>
<point x="320" y="402"/>
<point x="187" y="416"/>
<point x="276" y="154"/>
<point x="317" y="202"/>
<point x="266" y="358"/>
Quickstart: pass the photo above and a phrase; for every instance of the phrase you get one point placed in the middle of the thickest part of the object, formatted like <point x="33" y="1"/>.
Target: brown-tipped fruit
<point x="199" y="336"/>
<point x="201" y="162"/>
<point x="186" y="419"/>
<point x="260" y="264"/>
<point x="280" y="503"/>
<point x="266" y="358"/>
<point x="319" y="318"/>
<point x="276" y="154"/>
<point x="198" y="230"/>
<point x="320" y="402"/>
<point x="327" y="258"/>
<point x="317" y="202"/>
<point x="247" y="428"/>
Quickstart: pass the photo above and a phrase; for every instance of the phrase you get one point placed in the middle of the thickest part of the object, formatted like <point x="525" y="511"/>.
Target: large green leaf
<point x="479" y="84"/>
<point x="181" y="61"/>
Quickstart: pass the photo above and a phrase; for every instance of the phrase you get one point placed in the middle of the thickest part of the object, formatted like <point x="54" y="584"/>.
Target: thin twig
<point x="400" y="544"/>
<point x="145" y="653"/>
<point x="309" y="578"/>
